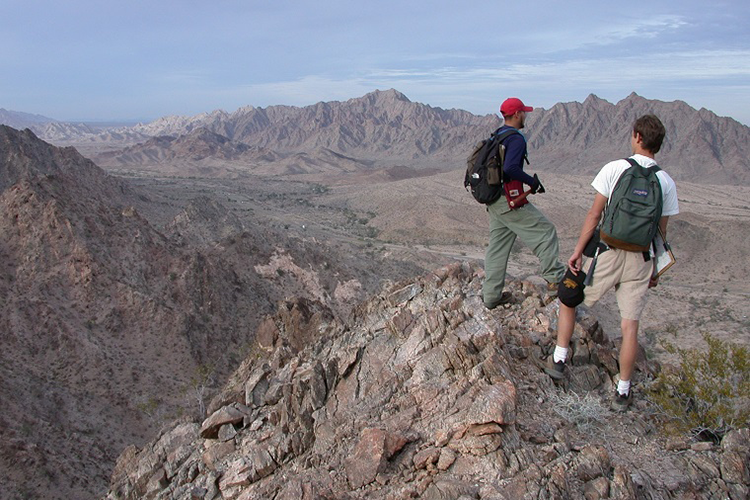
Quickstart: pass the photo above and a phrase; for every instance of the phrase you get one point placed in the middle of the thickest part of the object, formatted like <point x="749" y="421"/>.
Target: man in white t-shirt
<point x="629" y="273"/>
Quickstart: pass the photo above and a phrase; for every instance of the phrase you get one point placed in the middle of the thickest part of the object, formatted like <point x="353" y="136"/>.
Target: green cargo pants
<point x="535" y="231"/>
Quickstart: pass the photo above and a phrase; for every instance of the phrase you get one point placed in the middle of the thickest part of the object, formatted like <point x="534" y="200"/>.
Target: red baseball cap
<point x="512" y="105"/>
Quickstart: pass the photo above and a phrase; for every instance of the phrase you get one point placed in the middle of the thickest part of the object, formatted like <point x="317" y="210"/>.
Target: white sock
<point x="561" y="354"/>
<point x="623" y="387"/>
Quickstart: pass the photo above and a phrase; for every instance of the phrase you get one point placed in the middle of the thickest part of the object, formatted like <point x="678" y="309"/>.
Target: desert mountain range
<point x="384" y="128"/>
<point x="224" y="239"/>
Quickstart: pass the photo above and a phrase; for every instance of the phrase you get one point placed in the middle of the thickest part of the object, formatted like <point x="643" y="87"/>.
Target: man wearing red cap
<point x="523" y="220"/>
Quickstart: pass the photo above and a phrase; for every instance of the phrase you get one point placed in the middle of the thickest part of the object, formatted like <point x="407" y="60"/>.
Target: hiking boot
<point x="621" y="402"/>
<point x="556" y="370"/>
<point x="505" y="298"/>
<point x="551" y="293"/>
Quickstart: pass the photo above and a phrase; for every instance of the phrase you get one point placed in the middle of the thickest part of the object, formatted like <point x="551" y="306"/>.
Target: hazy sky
<point x="139" y="60"/>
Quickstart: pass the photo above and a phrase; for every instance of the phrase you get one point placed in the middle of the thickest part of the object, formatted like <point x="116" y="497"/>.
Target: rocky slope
<point x="108" y="325"/>
<point x="93" y="327"/>
<point x="426" y="394"/>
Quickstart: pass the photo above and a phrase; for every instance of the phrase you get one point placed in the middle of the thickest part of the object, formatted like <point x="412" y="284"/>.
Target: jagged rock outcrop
<point x="424" y="394"/>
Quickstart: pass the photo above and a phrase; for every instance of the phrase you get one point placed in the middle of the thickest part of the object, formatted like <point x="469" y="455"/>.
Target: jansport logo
<point x="640" y="192"/>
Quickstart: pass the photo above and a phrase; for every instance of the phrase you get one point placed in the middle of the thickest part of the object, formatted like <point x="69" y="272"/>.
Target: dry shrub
<point x="584" y="411"/>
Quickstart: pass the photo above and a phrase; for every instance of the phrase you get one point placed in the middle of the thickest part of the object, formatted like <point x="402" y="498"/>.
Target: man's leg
<point x="628" y="352"/>
<point x="540" y="235"/>
<point x="629" y="348"/>
<point x="566" y="323"/>
<point x="566" y="320"/>
<point x="631" y="297"/>
<point x="496" y="262"/>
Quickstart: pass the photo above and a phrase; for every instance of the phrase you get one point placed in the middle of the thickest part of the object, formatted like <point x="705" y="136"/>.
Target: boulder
<point x="222" y="416"/>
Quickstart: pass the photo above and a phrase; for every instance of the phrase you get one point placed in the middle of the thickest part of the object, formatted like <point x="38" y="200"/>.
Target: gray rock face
<point x="424" y="394"/>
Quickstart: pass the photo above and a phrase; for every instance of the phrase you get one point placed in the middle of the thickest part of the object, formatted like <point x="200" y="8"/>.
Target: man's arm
<point x="587" y="231"/>
<point x="663" y="227"/>
<point x="515" y="147"/>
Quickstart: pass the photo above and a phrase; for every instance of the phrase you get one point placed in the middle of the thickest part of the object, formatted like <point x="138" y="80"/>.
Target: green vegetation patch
<point x="708" y="394"/>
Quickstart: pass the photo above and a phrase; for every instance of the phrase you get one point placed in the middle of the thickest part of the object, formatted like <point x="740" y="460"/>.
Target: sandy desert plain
<point x="429" y="218"/>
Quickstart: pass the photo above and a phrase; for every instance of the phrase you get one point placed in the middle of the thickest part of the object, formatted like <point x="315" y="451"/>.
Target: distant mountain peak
<point x="393" y="94"/>
<point x="19" y="120"/>
<point x="385" y="96"/>
<point x="593" y="98"/>
<point x="634" y="97"/>
<point x="207" y="135"/>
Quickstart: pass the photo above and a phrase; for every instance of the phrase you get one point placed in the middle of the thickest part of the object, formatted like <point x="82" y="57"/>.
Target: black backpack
<point x="484" y="168"/>
<point x="633" y="211"/>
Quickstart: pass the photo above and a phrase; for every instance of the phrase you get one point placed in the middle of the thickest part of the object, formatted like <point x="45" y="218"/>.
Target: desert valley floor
<point x="431" y="220"/>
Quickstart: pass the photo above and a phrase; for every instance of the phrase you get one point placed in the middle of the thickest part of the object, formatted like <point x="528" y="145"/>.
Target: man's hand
<point x="653" y="281"/>
<point x="537" y="187"/>
<point x="574" y="262"/>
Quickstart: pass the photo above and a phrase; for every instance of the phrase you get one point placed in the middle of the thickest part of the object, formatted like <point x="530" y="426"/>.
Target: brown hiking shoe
<point x="621" y="402"/>
<point x="556" y="370"/>
<point x="550" y="293"/>
<point x="505" y="298"/>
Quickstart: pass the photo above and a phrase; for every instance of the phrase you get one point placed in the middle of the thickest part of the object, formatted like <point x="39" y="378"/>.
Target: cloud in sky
<point x="86" y="59"/>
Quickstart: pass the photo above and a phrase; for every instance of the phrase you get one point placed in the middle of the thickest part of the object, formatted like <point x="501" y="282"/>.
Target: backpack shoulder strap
<point x="633" y="162"/>
<point x="507" y="133"/>
<point x="653" y="169"/>
<point x="500" y="136"/>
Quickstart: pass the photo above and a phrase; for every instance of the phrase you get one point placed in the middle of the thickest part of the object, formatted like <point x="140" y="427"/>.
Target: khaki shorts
<point x="627" y="273"/>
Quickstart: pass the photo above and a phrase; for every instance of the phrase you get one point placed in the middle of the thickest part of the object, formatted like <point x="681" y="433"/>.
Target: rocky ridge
<point x="199" y="144"/>
<point x="205" y="153"/>
<point x="379" y="124"/>
<point x="426" y="394"/>
<point x="91" y="323"/>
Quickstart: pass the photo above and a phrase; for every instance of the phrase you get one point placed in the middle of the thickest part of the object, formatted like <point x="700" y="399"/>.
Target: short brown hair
<point x="652" y="132"/>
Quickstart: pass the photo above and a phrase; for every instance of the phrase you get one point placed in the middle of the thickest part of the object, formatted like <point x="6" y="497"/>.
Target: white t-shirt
<point x="606" y="179"/>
